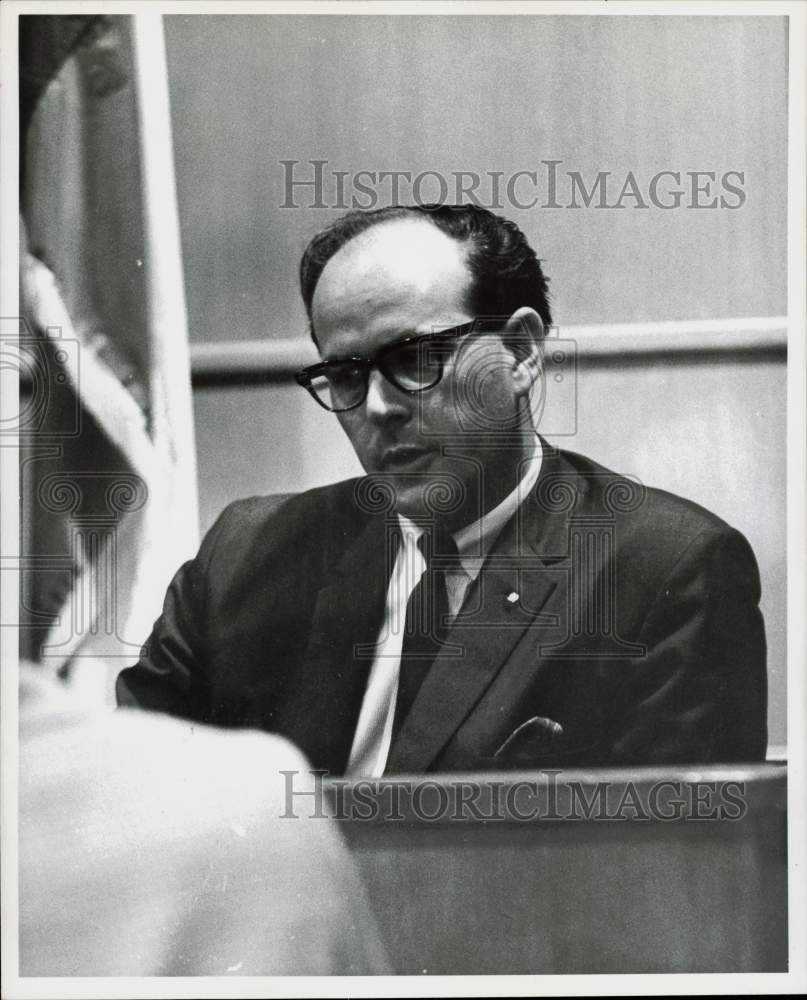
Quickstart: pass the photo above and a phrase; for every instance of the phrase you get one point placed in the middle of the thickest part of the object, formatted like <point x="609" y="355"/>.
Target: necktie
<point x="426" y="613"/>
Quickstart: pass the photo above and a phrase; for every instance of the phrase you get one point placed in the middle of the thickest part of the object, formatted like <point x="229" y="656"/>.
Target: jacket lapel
<point x="324" y="706"/>
<point x="493" y="620"/>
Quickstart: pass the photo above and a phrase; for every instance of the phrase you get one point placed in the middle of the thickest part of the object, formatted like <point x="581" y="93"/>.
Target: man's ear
<point x="524" y="336"/>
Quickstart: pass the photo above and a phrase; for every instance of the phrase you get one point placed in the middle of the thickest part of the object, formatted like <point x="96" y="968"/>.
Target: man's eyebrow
<point x="400" y="337"/>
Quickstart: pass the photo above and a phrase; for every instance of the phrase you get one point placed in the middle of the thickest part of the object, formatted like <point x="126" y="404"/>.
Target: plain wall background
<point x="482" y="94"/>
<point x="503" y="93"/>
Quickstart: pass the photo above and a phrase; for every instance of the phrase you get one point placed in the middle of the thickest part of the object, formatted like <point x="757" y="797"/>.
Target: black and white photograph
<point x="403" y="477"/>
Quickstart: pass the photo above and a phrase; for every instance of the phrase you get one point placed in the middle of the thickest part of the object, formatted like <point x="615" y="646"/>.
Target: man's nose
<point x="384" y="400"/>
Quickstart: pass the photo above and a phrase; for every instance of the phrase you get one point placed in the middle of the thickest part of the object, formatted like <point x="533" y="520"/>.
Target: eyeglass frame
<point x="305" y="376"/>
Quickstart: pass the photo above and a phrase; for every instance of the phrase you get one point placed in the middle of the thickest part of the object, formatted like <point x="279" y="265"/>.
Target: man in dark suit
<point x="479" y="599"/>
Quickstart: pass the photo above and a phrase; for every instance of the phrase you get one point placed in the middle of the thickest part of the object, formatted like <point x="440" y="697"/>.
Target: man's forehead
<point x="402" y="256"/>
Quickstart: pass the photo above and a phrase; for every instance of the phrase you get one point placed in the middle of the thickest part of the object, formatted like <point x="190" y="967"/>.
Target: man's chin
<point x="425" y="496"/>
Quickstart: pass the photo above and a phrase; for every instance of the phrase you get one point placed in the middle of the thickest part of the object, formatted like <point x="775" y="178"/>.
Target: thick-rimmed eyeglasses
<point x="412" y="364"/>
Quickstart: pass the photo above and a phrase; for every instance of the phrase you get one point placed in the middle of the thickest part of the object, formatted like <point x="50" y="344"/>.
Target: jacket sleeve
<point x="699" y="694"/>
<point x="170" y="674"/>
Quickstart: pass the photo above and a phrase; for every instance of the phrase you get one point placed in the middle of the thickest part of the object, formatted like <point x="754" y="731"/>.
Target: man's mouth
<point x="402" y="457"/>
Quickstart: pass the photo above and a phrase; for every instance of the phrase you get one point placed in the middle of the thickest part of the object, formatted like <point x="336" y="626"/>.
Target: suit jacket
<point x="611" y="624"/>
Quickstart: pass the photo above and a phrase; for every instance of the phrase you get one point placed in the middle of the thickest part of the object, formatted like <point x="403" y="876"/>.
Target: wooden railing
<point x="645" y="871"/>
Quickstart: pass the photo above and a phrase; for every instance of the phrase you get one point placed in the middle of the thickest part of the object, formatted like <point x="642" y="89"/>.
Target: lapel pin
<point x="511" y="600"/>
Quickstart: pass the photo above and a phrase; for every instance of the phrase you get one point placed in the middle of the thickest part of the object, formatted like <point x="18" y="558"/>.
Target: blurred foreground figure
<point x="150" y="846"/>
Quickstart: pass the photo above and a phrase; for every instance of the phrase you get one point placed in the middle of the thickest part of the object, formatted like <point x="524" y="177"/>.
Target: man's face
<point x="401" y="278"/>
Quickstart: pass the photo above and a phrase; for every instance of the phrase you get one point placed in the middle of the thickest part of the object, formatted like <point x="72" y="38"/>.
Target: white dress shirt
<point x="371" y="743"/>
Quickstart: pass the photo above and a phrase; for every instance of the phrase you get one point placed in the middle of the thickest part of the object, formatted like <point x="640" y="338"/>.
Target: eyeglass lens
<point x="412" y="366"/>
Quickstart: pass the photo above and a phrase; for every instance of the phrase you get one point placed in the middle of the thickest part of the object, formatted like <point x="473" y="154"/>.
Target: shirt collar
<point x="475" y="540"/>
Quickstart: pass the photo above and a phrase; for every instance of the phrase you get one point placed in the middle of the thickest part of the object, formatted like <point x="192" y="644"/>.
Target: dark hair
<point x="505" y="272"/>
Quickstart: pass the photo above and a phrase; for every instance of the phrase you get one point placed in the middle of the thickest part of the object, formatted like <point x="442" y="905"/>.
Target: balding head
<point x="389" y="270"/>
<point x="505" y="274"/>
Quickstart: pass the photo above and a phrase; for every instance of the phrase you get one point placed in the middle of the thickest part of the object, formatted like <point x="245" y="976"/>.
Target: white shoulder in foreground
<point x="153" y="846"/>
